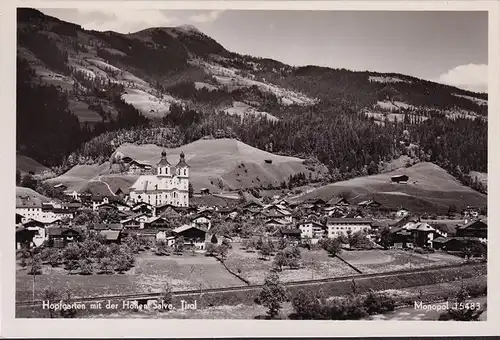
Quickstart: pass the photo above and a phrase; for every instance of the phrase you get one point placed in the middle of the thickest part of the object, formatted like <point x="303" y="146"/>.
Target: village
<point x="157" y="209"/>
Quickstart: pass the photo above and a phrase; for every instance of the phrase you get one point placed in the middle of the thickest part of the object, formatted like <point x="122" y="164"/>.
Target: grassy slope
<point x="26" y="164"/>
<point x="209" y="161"/>
<point x="430" y="188"/>
<point x="21" y="191"/>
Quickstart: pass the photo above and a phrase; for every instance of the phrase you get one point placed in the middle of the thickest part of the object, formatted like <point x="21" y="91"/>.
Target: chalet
<point x="186" y="211"/>
<point x="422" y="234"/>
<point x="281" y="202"/>
<point x="24" y="237"/>
<point x="143" y="207"/>
<point x="205" y="191"/>
<point x="338" y="202"/>
<point x="338" y="226"/>
<point x="276" y="222"/>
<point x="291" y="234"/>
<point x="312" y="230"/>
<point x="444" y="229"/>
<point x="475" y="228"/>
<point x="402" y="213"/>
<point x="139" y="167"/>
<point x="61" y="187"/>
<point x="399" y="179"/>
<point x="167" y="212"/>
<point x="157" y="223"/>
<point x="106" y="207"/>
<point x="459" y="244"/>
<point x="33" y="229"/>
<point x="369" y="204"/>
<point x="106" y="226"/>
<point x="252" y="205"/>
<point x="401" y="238"/>
<point x="194" y="236"/>
<point x="60" y="237"/>
<point x="201" y="220"/>
<point x="136" y="221"/>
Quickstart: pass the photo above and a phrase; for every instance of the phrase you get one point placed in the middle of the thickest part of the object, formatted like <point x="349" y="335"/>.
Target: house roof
<point x="105" y="226"/>
<point x="55" y="231"/>
<point x="277" y="221"/>
<point x="475" y="224"/>
<point x="349" y="220"/>
<point x="310" y="221"/>
<point x="337" y="200"/>
<point x="29" y="202"/>
<point x="445" y="227"/>
<point x="111" y="235"/>
<point x="290" y="231"/>
<point x="186" y="227"/>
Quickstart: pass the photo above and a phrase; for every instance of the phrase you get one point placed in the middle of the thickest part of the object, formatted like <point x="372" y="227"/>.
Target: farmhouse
<point x="312" y="230"/>
<point x="399" y="179"/>
<point x="201" y="220"/>
<point x="59" y="237"/>
<point x="194" y="236"/>
<point x="476" y="228"/>
<point x="170" y="184"/>
<point x="138" y="167"/>
<point x="291" y="234"/>
<point x="338" y="226"/>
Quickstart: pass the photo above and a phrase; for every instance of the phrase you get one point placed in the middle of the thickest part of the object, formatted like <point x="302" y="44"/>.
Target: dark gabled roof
<point x="55" y="231"/>
<point x="290" y="231"/>
<point x="476" y="224"/>
<point x="445" y="227"/>
<point x="310" y="221"/>
<point x="105" y="226"/>
<point x="337" y="200"/>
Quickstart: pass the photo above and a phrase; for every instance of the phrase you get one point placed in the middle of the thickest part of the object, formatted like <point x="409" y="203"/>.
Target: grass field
<point x="429" y="189"/>
<point x="316" y="265"/>
<point x="377" y="261"/>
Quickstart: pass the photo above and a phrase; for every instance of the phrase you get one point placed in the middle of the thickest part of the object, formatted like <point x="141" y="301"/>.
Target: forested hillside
<point x="172" y="86"/>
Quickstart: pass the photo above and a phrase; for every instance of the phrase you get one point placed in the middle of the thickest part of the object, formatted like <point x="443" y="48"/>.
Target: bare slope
<point x="429" y="189"/>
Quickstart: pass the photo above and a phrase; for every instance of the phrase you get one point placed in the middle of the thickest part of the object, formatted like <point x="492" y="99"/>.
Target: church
<point x="170" y="185"/>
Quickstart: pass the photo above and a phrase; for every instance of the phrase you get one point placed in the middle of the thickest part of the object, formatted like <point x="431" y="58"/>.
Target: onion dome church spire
<point x="163" y="161"/>
<point x="182" y="162"/>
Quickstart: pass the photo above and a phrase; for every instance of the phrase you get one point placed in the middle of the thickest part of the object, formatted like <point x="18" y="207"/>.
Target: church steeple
<point x="163" y="165"/>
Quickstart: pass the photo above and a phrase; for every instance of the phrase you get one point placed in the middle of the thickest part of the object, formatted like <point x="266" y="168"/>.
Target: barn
<point x="399" y="179"/>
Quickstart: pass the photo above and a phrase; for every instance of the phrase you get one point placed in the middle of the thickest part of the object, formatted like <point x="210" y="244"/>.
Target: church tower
<point x="182" y="172"/>
<point x="163" y="165"/>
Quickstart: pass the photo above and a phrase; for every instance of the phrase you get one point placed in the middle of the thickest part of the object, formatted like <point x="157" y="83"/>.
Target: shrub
<point x="378" y="303"/>
<point x="106" y="265"/>
<point x="477" y="289"/>
<point x="346" y="309"/>
<point x="308" y="306"/>
<point x="86" y="267"/>
<point x="35" y="266"/>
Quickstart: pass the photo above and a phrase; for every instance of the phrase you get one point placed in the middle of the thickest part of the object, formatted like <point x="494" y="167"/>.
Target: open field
<point x="21" y="191"/>
<point x="242" y="110"/>
<point x="378" y="261"/>
<point x="429" y="189"/>
<point x="82" y="111"/>
<point x="316" y="265"/>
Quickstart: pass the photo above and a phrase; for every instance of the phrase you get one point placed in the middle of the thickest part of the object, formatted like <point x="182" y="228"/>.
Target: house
<point x="60" y="237"/>
<point x="291" y="234"/>
<point x="475" y="228"/>
<point x="444" y="229"/>
<point x="136" y="221"/>
<point x="201" y="220"/>
<point x="312" y="230"/>
<point x="399" y="179"/>
<point x="24" y="237"/>
<point x="337" y="226"/>
<point x="106" y="226"/>
<point x="422" y="233"/>
<point x="252" y="205"/>
<point x="194" y="236"/>
<point x="143" y="207"/>
<point x="138" y="167"/>
<point x="33" y="208"/>
<point x="167" y="212"/>
<point x="205" y="191"/>
<point x="369" y="204"/>
<point x="402" y="213"/>
<point x="106" y="207"/>
<point x="455" y="243"/>
<point x="157" y="223"/>
<point x="276" y="222"/>
<point x="338" y="202"/>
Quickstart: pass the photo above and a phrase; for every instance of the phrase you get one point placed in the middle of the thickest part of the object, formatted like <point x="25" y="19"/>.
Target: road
<point x="412" y="313"/>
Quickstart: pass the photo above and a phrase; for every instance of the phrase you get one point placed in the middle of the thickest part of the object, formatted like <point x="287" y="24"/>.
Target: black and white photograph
<point x="251" y="164"/>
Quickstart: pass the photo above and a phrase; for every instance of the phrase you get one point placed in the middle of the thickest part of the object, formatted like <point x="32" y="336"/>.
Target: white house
<point x="169" y="186"/>
<point x="338" y="226"/>
<point x="311" y="230"/>
<point x="33" y="208"/>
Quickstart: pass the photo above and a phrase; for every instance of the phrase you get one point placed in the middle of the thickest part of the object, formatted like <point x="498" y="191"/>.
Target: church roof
<point x="163" y="161"/>
<point x="182" y="162"/>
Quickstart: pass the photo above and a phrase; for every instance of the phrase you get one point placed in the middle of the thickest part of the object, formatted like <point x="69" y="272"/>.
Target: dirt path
<point x="99" y="179"/>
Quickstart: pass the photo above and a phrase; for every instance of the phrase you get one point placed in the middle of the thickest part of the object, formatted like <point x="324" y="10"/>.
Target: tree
<point x="29" y="182"/>
<point x="452" y="210"/>
<point x="210" y="249"/>
<point x="86" y="266"/>
<point x="167" y="296"/>
<point x="214" y="239"/>
<point x="273" y="294"/>
<point x="106" y="265"/>
<point x="18" y="177"/>
<point x="332" y="246"/>
<point x="55" y="258"/>
<point x="51" y="294"/>
<point x="69" y="312"/>
<point x="179" y="244"/>
<point x="385" y="239"/>
<point x="109" y="216"/>
<point x="36" y="265"/>
<point x="465" y="311"/>
<point x="265" y="250"/>
<point x="222" y="251"/>
<point x="191" y="190"/>
<point x="86" y="217"/>
<point x="309" y="306"/>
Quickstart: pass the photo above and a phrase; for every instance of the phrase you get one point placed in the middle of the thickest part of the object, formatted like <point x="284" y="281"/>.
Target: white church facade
<point x="170" y="185"/>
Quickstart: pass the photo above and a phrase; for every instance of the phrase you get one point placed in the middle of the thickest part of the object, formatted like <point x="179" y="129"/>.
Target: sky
<point x="442" y="46"/>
